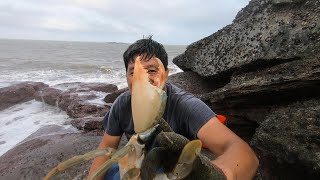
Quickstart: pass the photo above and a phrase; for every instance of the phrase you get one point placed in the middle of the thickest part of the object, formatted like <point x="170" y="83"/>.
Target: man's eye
<point x="152" y="71"/>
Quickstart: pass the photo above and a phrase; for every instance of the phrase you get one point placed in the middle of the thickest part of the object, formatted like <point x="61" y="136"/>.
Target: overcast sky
<point x="169" y="21"/>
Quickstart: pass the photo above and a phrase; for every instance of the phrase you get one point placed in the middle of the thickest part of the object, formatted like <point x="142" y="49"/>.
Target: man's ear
<point x="167" y="72"/>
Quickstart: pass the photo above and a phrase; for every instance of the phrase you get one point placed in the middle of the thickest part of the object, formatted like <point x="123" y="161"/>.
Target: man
<point x="185" y="114"/>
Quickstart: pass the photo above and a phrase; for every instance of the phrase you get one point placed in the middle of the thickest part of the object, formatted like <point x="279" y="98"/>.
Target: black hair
<point x="148" y="48"/>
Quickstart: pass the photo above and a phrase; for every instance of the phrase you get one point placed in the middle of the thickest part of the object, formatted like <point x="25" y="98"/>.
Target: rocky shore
<point x="262" y="72"/>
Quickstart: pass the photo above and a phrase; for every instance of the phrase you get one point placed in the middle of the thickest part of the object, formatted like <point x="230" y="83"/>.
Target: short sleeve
<point x="111" y="122"/>
<point x="194" y="114"/>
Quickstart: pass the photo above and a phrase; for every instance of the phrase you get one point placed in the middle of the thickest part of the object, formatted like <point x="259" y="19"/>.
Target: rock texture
<point x="252" y="70"/>
<point x="294" y="130"/>
<point x="78" y="99"/>
<point x="88" y="123"/>
<point x="35" y="158"/>
<point x="45" y="149"/>
<point x="110" y="98"/>
<point x="264" y="33"/>
<point x="192" y="82"/>
<point x="19" y="93"/>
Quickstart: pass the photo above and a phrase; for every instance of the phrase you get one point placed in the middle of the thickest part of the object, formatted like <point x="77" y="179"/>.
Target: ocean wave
<point x="21" y="120"/>
<point x="106" y="70"/>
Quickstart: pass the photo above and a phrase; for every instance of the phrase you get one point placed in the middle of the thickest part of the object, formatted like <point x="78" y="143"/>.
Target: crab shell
<point x="147" y="100"/>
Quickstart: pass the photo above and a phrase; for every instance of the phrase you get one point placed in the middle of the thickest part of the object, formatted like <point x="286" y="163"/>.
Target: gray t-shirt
<point x="185" y="114"/>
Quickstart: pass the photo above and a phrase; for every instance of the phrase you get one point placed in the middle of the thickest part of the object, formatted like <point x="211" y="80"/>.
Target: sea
<point x="56" y="62"/>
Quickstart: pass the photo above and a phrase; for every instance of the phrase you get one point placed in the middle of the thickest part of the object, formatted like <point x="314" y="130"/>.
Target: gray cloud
<point x="169" y="21"/>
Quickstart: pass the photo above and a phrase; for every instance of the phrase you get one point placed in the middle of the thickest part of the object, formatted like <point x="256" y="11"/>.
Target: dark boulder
<point x="88" y="123"/>
<point x="262" y="33"/>
<point x="19" y="93"/>
<point x="267" y="59"/>
<point x="110" y="98"/>
<point x="191" y="82"/>
<point x="79" y="109"/>
<point x="288" y="142"/>
<point x="78" y="99"/>
<point x="49" y="96"/>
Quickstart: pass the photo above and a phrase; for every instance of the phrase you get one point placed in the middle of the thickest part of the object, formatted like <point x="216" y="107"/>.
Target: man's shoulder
<point x="123" y="98"/>
<point x="125" y="94"/>
<point x="175" y="91"/>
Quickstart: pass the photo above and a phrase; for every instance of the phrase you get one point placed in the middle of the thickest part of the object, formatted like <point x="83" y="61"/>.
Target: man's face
<point x="151" y="65"/>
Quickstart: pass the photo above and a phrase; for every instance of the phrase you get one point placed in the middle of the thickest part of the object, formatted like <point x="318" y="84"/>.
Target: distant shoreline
<point x="78" y="41"/>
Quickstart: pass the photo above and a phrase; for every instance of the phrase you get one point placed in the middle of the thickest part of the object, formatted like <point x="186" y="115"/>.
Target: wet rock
<point x="78" y="99"/>
<point x="79" y="109"/>
<point x="35" y="158"/>
<point x="50" y="130"/>
<point x="88" y="123"/>
<point x="49" y="96"/>
<point x="19" y="93"/>
<point x="288" y="142"/>
<point x="110" y="98"/>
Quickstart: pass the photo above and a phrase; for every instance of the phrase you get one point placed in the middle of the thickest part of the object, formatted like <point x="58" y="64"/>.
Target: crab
<point x="136" y="161"/>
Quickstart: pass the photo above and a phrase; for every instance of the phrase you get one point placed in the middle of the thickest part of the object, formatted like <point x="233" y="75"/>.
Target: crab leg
<point x="78" y="159"/>
<point x="114" y="159"/>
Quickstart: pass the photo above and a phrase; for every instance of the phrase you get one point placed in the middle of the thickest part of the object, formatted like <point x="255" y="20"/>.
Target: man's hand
<point x="165" y="154"/>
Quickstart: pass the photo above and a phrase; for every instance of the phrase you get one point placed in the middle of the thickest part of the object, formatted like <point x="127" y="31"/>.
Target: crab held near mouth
<point x="155" y="151"/>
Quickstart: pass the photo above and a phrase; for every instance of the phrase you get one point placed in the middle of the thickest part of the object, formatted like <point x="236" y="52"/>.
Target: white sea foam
<point x="53" y="77"/>
<point x="19" y="121"/>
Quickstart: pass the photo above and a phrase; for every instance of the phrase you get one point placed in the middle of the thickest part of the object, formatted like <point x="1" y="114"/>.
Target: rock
<point x="283" y="2"/>
<point x="88" y="123"/>
<point x="48" y="95"/>
<point x="19" y="93"/>
<point x="79" y="109"/>
<point x="191" y="82"/>
<point x="248" y="98"/>
<point x="37" y="155"/>
<point x="35" y="158"/>
<point x="110" y="98"/>
<point x="50" y="130"/>
<point x="261" y="34"/>
<point x="267" y="59"/>
<point x="78" y="99"/>
<point x="288" y="142"/>
<point x="182" y="62"/>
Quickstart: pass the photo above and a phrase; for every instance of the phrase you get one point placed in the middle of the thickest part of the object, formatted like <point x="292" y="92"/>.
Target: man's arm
<point x="235" y="157"/>
<point x="107" y="141"/>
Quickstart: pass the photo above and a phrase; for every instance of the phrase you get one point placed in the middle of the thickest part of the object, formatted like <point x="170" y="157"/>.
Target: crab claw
<point x="185" y="163"/>
<point x="147" y="100"/>
<point x="148" y="135"/>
